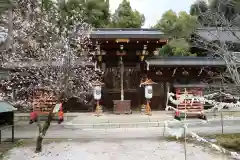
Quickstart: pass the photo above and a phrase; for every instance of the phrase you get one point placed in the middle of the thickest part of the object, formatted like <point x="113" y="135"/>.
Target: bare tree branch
<point x="219" y="39"/>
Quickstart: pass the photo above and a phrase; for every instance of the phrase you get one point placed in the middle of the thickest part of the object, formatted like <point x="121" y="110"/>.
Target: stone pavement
<point x="110" y="120"/>
<point x="90" y="118"/>
<point x="129" y="149"/>
<point x="135" y="120"/>
<point x="60" y="132"/>
<point x="88" y="126"/>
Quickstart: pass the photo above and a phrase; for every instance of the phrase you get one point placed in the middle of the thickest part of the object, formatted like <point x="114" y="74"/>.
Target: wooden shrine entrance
<point x="120" y="55"/>
<point x="112" y="91"/>
<point x="132" y="90"/>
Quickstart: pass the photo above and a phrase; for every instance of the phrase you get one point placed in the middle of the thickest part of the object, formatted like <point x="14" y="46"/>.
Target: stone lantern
<point x="97" y="94"/>
<point x="148" y="94"/>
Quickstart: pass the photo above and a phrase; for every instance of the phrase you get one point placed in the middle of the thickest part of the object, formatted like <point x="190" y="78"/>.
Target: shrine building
<point x="127" y="56"/>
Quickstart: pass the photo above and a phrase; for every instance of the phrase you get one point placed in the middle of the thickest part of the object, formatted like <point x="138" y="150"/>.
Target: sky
<point x="153" y="9"/>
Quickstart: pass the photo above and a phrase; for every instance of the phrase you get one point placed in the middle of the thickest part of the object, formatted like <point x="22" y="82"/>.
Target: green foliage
<point x="179" y="43"/>
<point x="177" y="26"/>
<point x="198" y="7"/>
<point x="167" y="23"/>
<point x="228" y="141"/>
<point x="96" y="12"/>
<point x="230" y="9"/>
<point x="165" y="51"/>
<point x="47" y="4"/>
<point x="125" y="17"/>
<point x="4" y="5"/>
<point x="187" y="24"/>
<point x="180" y="52"/>
<point x="168" y="50"/>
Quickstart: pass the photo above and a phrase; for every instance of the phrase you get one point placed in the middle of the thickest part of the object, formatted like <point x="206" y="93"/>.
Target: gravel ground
<point x="114" y="150"/>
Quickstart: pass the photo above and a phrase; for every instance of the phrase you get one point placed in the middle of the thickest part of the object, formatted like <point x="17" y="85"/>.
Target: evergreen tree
<point x="126" y="17"/>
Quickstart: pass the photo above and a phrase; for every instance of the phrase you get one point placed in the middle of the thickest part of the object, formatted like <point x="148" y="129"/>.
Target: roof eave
<point x="186" y="61"/>
<point x="129" y="36"/>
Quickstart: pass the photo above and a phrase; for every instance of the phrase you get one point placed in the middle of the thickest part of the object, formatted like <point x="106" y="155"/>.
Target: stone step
<point x="114" y="125"/>
<point x="120" y="119"/>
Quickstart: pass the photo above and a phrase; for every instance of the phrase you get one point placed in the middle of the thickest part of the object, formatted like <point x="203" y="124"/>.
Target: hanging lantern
<point x="185" y="73"/>
<point x="159" y="73"/>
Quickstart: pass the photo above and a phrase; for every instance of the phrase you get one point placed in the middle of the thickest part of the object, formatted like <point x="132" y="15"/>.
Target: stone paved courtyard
<point x="115" y="150"/>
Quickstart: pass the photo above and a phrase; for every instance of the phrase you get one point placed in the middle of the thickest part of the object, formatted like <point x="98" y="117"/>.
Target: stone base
<point x="122" y="107"/>
<point x="143" y="109"/>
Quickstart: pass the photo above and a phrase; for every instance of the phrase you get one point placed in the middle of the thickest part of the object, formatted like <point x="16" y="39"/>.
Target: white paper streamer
<point x="204" y="99"/>
<point x="173" y="132"/>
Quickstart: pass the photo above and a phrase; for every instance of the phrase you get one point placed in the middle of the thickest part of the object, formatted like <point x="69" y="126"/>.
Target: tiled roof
<point x="193" y="85"/>
<point x="126" y="33"/>
<point x="215" y="34"/>
<point x="185" y="61"/>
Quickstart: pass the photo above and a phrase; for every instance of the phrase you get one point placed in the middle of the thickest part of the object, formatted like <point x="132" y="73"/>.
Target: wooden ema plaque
<point x="191" y="107"/>
<point x="43" y="101"/>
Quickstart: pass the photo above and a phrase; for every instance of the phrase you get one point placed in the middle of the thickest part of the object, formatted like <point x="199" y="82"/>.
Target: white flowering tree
<point x="50" y="48"/>
<point x="220" y="35"/>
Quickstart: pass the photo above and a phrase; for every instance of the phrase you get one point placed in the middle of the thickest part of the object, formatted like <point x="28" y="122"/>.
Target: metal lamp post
<point x="97" y="89"/>
<point x="148" y="94"/>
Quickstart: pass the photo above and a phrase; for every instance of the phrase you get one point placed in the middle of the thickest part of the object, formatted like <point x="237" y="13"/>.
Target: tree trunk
<point x="43" y="131"/>
<point x="47" y="123"/>
<point x="39" y="144"/>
